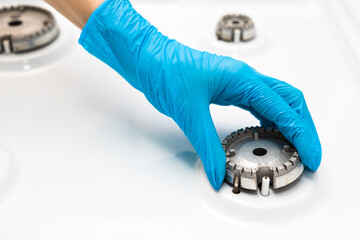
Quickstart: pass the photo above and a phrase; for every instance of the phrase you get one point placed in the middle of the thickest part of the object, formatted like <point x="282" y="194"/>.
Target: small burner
<point x="257" y="156"/>
<point x="235" y="28"/>
<point x="26" y="28"/>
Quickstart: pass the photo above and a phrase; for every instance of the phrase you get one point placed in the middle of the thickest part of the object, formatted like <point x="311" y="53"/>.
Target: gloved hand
<point x="181" y="82"/>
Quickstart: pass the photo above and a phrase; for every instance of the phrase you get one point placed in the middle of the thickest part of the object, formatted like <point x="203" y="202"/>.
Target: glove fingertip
<point x="307" y="144"/>
<point x="216" y="178"/>
<point x="216" y="173"/>
<point x="219" y="178"/>
<point x="311" y="157"/>
<point x="314" y="162"/>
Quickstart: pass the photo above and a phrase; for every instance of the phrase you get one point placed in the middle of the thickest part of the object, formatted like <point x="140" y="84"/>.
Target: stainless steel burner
<point x="25" y="28"/>
<point x="257" y="155"/>
<point x="235" y="28"/>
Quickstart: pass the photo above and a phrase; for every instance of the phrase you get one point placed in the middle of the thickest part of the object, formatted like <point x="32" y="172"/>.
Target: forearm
<point x="77" y="11"/>
<point x="181" y="82"/>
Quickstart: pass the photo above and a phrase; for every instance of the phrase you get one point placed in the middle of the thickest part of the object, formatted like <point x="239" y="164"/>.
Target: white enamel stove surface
<point x="84" y="156"/>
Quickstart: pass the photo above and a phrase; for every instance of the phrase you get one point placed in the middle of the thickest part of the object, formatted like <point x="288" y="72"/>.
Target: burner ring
<point x="235" y="28"/>
<point x="26" y="28"/>
<point x="257" y="155"/>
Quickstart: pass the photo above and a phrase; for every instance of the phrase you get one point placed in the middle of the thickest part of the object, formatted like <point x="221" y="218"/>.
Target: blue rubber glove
<point x="181" y="82"/>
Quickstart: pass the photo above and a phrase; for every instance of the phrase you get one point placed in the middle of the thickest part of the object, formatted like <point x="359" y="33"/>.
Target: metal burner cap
<point x="257" y="155"/>
<point x="25" y="28"/>
<point x="235" y="28"/>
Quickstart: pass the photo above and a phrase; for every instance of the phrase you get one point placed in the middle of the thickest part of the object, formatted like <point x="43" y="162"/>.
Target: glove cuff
<point x="115" y="33"/>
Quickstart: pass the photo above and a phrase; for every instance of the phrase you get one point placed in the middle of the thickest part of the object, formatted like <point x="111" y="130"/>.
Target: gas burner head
<point x="235" y="28"/>
<point x="257" y="156"/>
<point x="26" y="28"/>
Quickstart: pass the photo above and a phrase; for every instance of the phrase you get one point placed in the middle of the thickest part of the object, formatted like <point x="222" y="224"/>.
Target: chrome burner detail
<point x="235" y="28"/>
<point x="25" y="28"/>
<point x="257" y="156"/>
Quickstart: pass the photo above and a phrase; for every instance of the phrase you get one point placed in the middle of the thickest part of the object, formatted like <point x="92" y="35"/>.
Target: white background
<point x="85" y="156"/>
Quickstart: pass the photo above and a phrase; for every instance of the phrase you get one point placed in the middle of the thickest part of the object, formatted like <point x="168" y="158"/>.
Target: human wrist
<point x="78" y="12"/>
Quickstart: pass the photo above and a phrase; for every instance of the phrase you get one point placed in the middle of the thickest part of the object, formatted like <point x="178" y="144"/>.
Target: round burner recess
<point x="26" y="28"/>
<point x="257" y="157"/>
<point x="235" y="28"/>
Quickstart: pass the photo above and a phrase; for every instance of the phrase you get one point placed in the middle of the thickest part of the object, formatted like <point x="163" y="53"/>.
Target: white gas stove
<point x="85" y="156"/>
